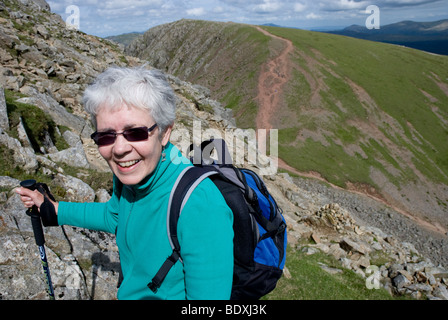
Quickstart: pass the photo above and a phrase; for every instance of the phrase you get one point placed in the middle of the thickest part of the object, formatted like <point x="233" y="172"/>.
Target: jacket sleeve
<point x="93" y="216"/>
<point x="205" y="233"/>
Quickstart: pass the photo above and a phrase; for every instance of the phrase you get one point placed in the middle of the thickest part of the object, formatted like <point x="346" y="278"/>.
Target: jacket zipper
<point x="128" y="218"/>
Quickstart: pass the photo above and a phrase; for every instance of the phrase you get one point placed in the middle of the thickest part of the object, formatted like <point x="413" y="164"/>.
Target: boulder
<point x="4" y="121"/>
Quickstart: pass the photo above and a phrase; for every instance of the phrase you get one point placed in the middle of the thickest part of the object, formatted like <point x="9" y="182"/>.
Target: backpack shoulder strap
<point x="185" y="184"/>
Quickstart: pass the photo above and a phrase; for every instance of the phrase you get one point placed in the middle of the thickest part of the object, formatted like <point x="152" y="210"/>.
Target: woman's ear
<point x="166" y="135"/>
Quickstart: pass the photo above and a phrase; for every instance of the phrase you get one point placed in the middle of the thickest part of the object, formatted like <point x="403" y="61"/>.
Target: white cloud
<point x="218" y="9"/>
<point x="130" y="4"/>
<point x="299" y="7"/>
<point x="395" y="3"/>
<point x="122" y="16"/>
<point x="342" y="5"/>
<point x="268" y="6"/>
<point x="196" y="12"/>
<point x="313" y="16"/>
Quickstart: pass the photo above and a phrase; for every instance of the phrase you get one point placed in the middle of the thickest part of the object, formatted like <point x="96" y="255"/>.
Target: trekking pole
<point x="39" y="236"/>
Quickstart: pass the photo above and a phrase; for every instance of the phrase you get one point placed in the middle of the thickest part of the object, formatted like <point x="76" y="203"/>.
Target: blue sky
<point x="113" y="17"/>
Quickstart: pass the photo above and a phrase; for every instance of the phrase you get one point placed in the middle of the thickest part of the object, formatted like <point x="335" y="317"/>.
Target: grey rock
<point x="330" y="270"/>
<point x="350" y="245"/>
<point x="4" y="121"/>
<point x="24" y="157"/>
<point x="400" y="281"/>
<point x="36" y="4"/>
<point x="102" y="195"/>
<point x="441" y="292"/>
<point x="8" y="182"/>
<point x="72" y="139"/>
<point x="76" y="189"/>
<point x="59" y="114"/>
<point x="23" y="136"/>
<point x="74" y="157"/>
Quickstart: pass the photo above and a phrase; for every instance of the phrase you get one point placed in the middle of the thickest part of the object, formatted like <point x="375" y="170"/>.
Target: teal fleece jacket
<point x="138" y="218"/>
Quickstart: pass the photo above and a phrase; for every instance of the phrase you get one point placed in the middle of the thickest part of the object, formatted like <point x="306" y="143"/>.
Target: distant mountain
<point x="320" y="28"/>
<point x="426" y="36"/>
<point x="272" y="25"/>
<point x="125" y="38"/>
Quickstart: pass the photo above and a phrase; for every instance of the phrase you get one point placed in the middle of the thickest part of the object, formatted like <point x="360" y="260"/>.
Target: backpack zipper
<point x="262" y="187"/>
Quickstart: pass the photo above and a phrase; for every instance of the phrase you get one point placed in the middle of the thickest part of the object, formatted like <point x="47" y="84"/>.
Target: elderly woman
<point x="134" y="112"/>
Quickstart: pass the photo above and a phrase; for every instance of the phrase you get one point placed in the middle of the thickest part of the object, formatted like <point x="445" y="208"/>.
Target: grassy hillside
<point x="367" y="91"/>
<point x="125" y="38"/>
<point x="363" y="115"/>
<point x="310" y="282"/>
<point x="366" y="113"/>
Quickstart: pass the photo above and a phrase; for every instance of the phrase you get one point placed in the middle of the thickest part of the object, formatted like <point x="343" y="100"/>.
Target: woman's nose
<point x="121" y="145"/>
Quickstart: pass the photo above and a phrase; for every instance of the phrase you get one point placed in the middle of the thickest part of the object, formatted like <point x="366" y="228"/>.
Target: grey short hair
<point x="133" y="87"/>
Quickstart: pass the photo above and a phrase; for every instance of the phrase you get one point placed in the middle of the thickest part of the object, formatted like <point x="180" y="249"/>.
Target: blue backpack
<point x="259" y="227"/>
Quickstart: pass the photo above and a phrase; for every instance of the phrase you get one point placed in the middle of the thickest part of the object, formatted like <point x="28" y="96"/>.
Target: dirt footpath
<point x="273" y="76"/>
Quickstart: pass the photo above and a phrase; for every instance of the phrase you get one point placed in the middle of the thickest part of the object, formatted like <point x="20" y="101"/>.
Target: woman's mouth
<point x="128" y="164"/>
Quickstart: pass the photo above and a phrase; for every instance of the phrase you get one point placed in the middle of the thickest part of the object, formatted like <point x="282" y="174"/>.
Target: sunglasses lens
<point x="136" y="134"/>
<point x="104" y="138"/>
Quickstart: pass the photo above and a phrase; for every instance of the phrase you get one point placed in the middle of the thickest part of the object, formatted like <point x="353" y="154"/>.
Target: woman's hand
<point x="34" y="198"/>
<point x="30" y="198"/>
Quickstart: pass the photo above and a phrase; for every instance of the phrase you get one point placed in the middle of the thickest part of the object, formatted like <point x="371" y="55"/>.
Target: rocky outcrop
<point x="45" y="65"/>
<point x="383" y="259"/>
<point x="316" y="223"/>
<point x="50" y="66"/>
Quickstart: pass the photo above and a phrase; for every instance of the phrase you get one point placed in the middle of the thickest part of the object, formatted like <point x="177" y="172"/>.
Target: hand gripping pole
<point x="39" y="236"/>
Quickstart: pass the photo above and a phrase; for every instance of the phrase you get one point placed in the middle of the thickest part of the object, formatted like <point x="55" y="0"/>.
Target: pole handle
<point x="34" y="214"/>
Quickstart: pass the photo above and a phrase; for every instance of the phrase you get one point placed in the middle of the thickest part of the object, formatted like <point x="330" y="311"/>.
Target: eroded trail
<point x="273" y="76"/>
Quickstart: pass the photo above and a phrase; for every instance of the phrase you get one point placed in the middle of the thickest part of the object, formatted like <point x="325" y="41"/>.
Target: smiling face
<point x="131" y="162"/>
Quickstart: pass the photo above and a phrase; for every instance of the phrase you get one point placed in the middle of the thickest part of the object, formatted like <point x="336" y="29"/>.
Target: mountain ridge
<point x="407" y="27"/>
<point x="427" y="36"/>
<point x="125" y="38"/>
<point x="332" y="77"/>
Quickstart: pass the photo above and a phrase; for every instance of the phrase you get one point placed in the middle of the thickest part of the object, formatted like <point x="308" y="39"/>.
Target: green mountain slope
<point x="362" y="115"/>
<point x="377" y="115"/>
<point x="125" y="38"/>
